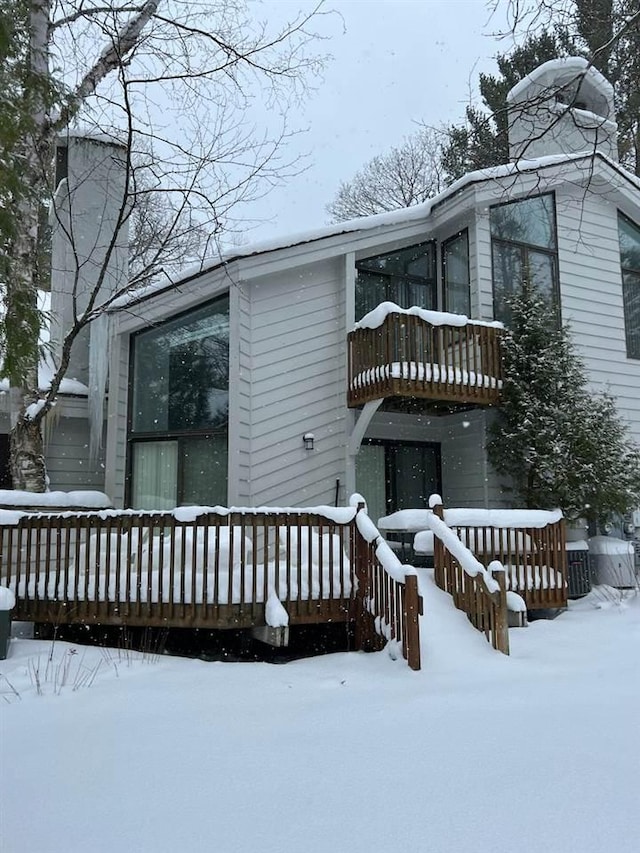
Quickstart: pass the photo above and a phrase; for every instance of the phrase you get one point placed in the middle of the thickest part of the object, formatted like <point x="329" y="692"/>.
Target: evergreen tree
<point x="482" y="141"/>
<point x="559" y="444"/>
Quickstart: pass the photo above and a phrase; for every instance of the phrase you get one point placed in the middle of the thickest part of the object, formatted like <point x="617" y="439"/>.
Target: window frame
<point x="180" y="436"/>
<point x="631" y="353"/>
<point x="431" y="283"/>
<point x="525" y="248"/>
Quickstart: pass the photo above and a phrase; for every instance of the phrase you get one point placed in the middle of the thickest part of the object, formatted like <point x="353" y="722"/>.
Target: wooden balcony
<point x="408" y="356"/>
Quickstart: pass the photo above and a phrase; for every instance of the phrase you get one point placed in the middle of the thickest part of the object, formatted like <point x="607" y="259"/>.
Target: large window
<point x="179" y="410"/>
<point x="455" y="274"/>
<point x="406" y="277"/>
<point x="525" y="251"/>
<point x="629" y="234"/>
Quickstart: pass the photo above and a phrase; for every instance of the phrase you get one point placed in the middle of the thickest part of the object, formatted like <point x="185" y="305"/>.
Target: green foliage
<point x="21" y="94"/>
<point x="482" y="140"/>
<point x="559" y="444"/>
<point x="596" y="29"/>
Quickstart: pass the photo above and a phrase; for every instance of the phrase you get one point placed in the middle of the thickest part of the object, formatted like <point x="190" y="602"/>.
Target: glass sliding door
<point x="394" y="475"/>
<point x="371" y="479"/>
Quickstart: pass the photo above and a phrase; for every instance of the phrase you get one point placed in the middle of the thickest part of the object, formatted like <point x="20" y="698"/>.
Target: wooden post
<point x="413" y="609"/>
<point x="364" y="630"/>
<point x="502" y="617"/>
<point x="439" y="552"/>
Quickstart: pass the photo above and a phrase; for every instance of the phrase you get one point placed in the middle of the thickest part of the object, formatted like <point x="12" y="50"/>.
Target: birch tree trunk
<point x="26" y="446"/>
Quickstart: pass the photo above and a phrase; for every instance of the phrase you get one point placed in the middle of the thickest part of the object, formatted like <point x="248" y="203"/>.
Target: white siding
<point x="67" y="457"/>
<point x="298" y="385"/>
<point x="591" y="289"/>
<point x="117" y="420"/>
<point x="240" y="399"/>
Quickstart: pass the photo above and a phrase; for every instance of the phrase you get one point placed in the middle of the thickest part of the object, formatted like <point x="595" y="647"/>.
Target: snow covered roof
<point x="402" y="216"/>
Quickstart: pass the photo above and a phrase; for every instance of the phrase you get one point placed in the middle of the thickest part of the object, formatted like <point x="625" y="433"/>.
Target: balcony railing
<point x="438" y="357"/>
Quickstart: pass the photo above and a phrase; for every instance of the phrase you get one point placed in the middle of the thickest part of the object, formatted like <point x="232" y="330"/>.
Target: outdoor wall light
<point x="308" y="438"/>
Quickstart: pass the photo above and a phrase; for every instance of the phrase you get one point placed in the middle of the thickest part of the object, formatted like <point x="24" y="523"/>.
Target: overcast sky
<point x="395" y="63"/>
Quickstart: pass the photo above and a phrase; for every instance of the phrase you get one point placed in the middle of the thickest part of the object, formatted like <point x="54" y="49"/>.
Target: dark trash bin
<point x="579" y="580"/>
<point x="7" y="603"/>
<point x="5" y="632"/>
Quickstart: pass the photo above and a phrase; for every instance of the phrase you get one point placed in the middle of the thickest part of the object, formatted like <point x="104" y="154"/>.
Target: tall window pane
<point x="524" y="251"/>
<point x="204" y="470"/>
<point x="181" y="372"/>
<point x="507" y="276"/>
<point x="455" y="265"/>
<point x="530" y="221"/>
<point x="629" y="234"/>
<point x="154" y="475"/>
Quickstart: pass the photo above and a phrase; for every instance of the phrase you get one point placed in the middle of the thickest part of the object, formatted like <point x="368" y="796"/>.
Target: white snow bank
<point x="424" y="542"/>
<point x="275" y="614"/>
<point x="501" y="517"/>
<point x="405" y="519"/>
<point x="81" y="498"/>
<point x="577" y="545"/>
<point x="7" y="599"/>
<point x="515" y="602"/>
<point x="610" y="545"/>
<point x="379" y="314"/>
<point x="339" y="515"/>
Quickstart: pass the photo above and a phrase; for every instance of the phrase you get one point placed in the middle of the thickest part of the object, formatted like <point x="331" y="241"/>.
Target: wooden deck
<point x="207" y="569"/>
<point x="408" y="357"/>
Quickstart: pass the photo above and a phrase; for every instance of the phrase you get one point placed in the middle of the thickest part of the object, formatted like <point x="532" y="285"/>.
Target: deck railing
<point x="478" y="591"/>
<point x="408" y="356"/>
<point x="190" y="568"/>
<point x="388" y="593"/>
<point x="534" y="557"/>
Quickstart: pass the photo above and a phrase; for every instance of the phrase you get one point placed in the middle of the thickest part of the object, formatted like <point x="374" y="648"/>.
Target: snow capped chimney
<point x="86" y="243"/>
<point x="565" y="106"/>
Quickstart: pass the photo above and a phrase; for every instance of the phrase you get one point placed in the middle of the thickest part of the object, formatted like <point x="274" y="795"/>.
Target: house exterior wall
<point x="290" y="314"/>
<point x="295" y="344"/>
<point x="591" y="292"/>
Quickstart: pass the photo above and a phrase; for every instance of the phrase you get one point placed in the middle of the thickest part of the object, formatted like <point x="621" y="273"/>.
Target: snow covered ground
<point x="479" y="752"/>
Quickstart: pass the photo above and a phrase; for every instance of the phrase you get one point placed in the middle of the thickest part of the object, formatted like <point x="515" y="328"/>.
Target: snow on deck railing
<point x="480" y="592"/>
<point x="376" y="317"/>
<point x="422" y="353"/>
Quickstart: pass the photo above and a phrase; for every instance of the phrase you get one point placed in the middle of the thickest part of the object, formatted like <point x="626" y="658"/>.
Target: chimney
<point x="91" y="188"/>
<point x="563" y="107"/>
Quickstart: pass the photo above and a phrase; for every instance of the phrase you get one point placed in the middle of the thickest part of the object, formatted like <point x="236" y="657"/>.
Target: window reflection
<point x="524" y="252"/>
<point x="180" y="410"/>
<point x="629" y="235"/>
<point x="455" y="266"/>
<point x="406" y="277"/>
